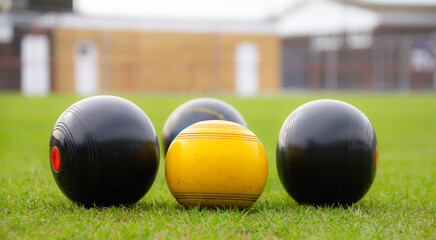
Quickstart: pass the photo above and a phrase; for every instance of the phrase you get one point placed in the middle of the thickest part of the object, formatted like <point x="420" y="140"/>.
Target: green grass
<point x="400" y="204"/>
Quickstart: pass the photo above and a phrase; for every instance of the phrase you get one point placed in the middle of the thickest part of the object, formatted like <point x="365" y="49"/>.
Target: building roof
<point x="69" y="20"/>
<point x="319" y="17"/>
<point x="402" y="14"/>
<point x="408" y="6"/>
<point x="303" y="18"/>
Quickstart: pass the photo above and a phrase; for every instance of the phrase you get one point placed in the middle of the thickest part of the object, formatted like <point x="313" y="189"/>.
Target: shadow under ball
<point x="104" y="151"/>
<point x="327" y="153"/>
<point x="196" y="110"/>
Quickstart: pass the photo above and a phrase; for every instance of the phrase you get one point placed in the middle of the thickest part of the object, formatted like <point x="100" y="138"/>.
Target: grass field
<point x="400" y="204"/>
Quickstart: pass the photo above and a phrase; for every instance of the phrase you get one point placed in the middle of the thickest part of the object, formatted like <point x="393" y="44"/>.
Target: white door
<point x="35" y="66"/>
<point x="247" y="69"/>
<point x="86" y="68"/>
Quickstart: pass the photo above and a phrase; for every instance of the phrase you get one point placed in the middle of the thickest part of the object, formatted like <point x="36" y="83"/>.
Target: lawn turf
<point x="400" y="204"/>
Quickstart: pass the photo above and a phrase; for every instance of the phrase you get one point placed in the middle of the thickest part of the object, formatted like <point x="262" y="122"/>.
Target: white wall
<point x="35" y="68"/>
<point x="86" y="68"/>
<point x="247" y="69"/>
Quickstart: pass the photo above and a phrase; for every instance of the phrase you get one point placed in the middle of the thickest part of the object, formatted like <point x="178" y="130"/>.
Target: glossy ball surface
<point x="196" y="110"/>
<point x="327" y="153"/>
<point x="216" y="164"/>
<point x="104" y="151"/>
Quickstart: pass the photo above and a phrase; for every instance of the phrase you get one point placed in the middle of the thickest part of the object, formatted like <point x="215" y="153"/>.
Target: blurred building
<point x="358" y="45"/>
<point x="162" y="55"/>
<point x="67" y="52"/>
<point x="25" y="49"/>
<point x="315" y="44"/>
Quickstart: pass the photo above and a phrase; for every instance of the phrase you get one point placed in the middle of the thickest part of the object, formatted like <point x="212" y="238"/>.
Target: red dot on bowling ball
<point x="55" y="159"/>
<point x="376" y="156"/>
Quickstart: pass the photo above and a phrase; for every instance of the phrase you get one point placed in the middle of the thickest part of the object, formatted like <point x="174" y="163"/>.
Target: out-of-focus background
<point x="243" y="47"/>
<point x="161" y="53"/>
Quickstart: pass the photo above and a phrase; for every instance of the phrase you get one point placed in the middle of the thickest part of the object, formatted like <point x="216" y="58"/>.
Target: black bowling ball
<point x="327" y="153"/>
<point x="104" y="151"/>
<point x="196" y="110"/>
